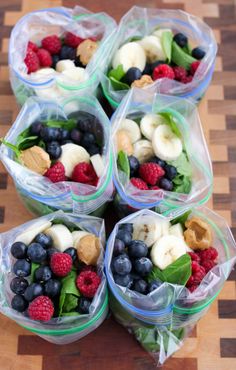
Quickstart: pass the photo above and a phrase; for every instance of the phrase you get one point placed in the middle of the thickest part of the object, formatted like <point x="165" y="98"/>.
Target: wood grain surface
<point x="213" y="344"/>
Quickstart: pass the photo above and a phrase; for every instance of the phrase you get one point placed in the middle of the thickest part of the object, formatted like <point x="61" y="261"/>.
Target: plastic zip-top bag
<point x="72" y="320"/>
<point x="149" y="128"/>
<point x="165" y="271"/>
<point x="42" y="194"/>
<point x="154" y="29"/>
<point x="48" y="81"/>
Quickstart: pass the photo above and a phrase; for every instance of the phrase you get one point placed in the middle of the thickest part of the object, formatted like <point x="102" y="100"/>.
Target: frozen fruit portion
<point x="32" y="46"/>
<point x="84" y="173"/>
<point x="52" y="44"/>
<point x="61" y="264"/>
<point x="84" y="305"/>
<point x="163" y="71"/>
<point x="35" y="159"/>
<point x="208" y="254"/>
<point x="18" y="303"/>
<point x="151" y="173"/>
<point x="44" y="57"/>
<point x="180" y="73"/>
<point x="139" y="183"/>
<point x="32" y="291"/>
<point x="36" y="253"/>
<point x="18" y="285"/>
<point x="122" y="265"/>
<point x="86" y="50"/>
<point x="18" y="250"/>
<point x="41" y="308"/>
<point x="88" y="282"/>
<point x="32" y="61"/>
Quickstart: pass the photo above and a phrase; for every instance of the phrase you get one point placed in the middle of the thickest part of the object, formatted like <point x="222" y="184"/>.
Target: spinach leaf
<point x="69" y="124"/>
<point x="185" y="186"/>
<point x="182" y="165"/>
<point x="171" y="121"/>
<point x="27" y="142"/>
<point x="166" y="42"/>
<point x="70" y="225"/>
<point x="42" y="144"/>
<point x="70" y="302"/>
<point x="181" y="57"/>
<point x="73" y="313"/>
<point x="118" y="85"/>
<point x="134" y="38"/>
<point x="181" y="219"/>
<point x="34" y="267"/>
<point x="123" y="162"/>
<point x="68" y="288"/>
<point x="117" y="73"/>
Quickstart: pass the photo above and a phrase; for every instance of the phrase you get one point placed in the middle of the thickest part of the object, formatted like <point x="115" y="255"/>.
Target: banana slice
<point x="61" y="236"/>
<point x="71" y="155"/>
<point x="42" y="72"/>
<point x="149" y="123"/>
<point x="158" y="33"/>
<point x="76" y="74"/>
<point x="77" y="235"/>
<point x="130" y="55"/>
<point x="148" y="233"/>
<point x="98" y="164"/>
<point x="167" y="250"/>
<point x="166" y="144"/>
<point x="28" y="235"/>
<point x="132" y="129"/>
<point x="153" y="48"/>
<point x="64" y="64"/>
<point x="143" y="150"/>
<point x="177" y="230"/>
<point x="165" y="228"/>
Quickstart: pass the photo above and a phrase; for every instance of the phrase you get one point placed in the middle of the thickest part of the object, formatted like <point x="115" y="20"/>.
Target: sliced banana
<point x="28" y="235"/>
<point x="143" y="150"/>
<point x="148" y="233"/>
<point x="153" y="48"/>
<point x="159" y="33"/>
<point x="98" y="164"/>
<point x="177" y="230"/>
<point x="167" y="250"/>
<point x="165" y="227"/>
<point x="49" y="93"/>
<point x="71" y="155"/>
<point x="64" y="64"/>
<point x="132" y="129"/>
<point x="42" y="72"/>
<point x="130" y="55"/>
<point x="76" y="74"/>
<point x="166" y="144"/>
<point x="61" y="236"/>
<point x="149" y="123"/>
<point x="77" y="235"/>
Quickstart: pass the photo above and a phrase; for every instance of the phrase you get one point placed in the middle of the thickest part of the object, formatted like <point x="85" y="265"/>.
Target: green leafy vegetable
<point x="70" y="302"/>
<point x="117" y="73"/>
<point x="28" y="142"/>
<point x="181" y="219"/>
<point x="180" y="57"/>
<point x="123" y="163"/>
<point x="68" y="288"/>
<point x="134" y="38"/>
<point x="166" y="42"/>
<point x="69" y="124"/>
<point x="183" y="185"/>
<point x="118" y="85"/>
<point x="34" y="267"/>
<point x="70" y="225"/>
<point x="42" y="144"/>
<point x="171" y="121"/>
<point x="182" y="165"/>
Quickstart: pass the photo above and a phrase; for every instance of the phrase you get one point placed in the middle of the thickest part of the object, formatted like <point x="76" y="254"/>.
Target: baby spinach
<point x="170" y="121"/>
<point x="34" y="267"/>
<point x="166" y="42"/>
<point x="68" y="289"/>
<point x="182" y="165"/>
<point x="118" y="85"/>
<point x="180" y="57"/>
<point x="123" y="163"/>
<point x="70" y="225"/>
<point x="182" y="184"/>
<point x="66" y="124"/>
<point x="181" y="219"/>
<point x="117" y="73"/>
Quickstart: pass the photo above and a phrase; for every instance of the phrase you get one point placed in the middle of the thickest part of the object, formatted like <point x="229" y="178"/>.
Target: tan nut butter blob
<point x="85" y="51"/>
<point x="144" y="81"/>
<point x="36" y="159"/>
<point x="123" y="142"/>
<point x="198" y="234"/>
<point x="88" y="249"/>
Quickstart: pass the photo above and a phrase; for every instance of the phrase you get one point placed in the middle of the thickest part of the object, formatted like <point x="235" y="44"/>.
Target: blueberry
<point x="18" y="303"/>
<point x="198" y="53"/>
<point x="88" y="139"/>
<point x="35" y="128"/>
<point x="154" y="285"/>
<point x="126" y="227"/>
<point x="36" y="253"/>
<point x="22" y="268"/>
<point x="55" y="59"/>
<point x="50" y="134"/>
<point x="124" y="280"/>
<point x="158" y="161"/>
<point x="143" y="266"/>
<point x="34" y="290"/>
<point x="83" y="306"/>
<point x="93" y="149"/>
<point x="76" y="135"/>
<point x="140" y="286"/>
<point x="157" y="63"/>
<point x="85" y="121"/>
<point x="72" y="252"/>
<point x="125" y="236"/>
<point x="53" y="149"/>
<point x="132" y="75"/>
<point x="18" y="250"/>
<point x="137" y="249"/>
<point x="181" y="39"/>
<point x="67" y="52"/>
<point x="64" y="134"/>
<point x="133" y="165"/>
<point x="134" y="276"/>
<point x="52" y="288"/>
<point x="43" y="274"/>
<point x="50" y="252"/>
<point x="170" y="171"/>
<point x="122" y="265"/>
<point x="44" y="239"/>
<point x="165" y="184"/>
<point x="18" y="285"/>
<point x="119" y="247"/>
<point x="147" y="70"/>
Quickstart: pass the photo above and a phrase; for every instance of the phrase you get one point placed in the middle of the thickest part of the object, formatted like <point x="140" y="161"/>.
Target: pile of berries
<point x="177" y="73"/>
<point x="202" y="262"/>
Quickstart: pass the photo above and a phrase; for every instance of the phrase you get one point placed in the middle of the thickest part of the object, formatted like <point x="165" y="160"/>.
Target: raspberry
<point x="208" y="265"/>
<point x="194" y="66"/>
<point x="32" y="46"/>
<point x="194" y="256"/>
<point x="52" y="44"/>
<point x="187" y="79"/>
<point x="151" y="173"/>
<point x="56" y="173"/>
<point x="208" y="254"/>
<point x="72" y="40"/>
<point x="180" y="73"/>
<point x="163" y="71"/>
<point x="32" y="61"/>
<point x="45" y="58"/>
<point x="198" y="276"/>
<point x="195" y="267"/>
<point x="139" y="183"/>
<point x="155" y="187"/>
<point x="192" y="288"/>
<point x="41" y="308"/>
<point x="87" y="268"/>
<point x="190" y="281"/>
<point x="61" y="264"/>
<point x="88" y="282"/>
<point x="84" y="173"/>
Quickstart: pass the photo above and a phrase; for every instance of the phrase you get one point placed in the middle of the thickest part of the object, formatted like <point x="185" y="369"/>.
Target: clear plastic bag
<point x="38" y="24"/>
<point x="58" y="330"/>
<point x="38" y="193"/>
<point x="170" y="308"/>
<point x="139" y="102"/>
<point x="139" y="22"/>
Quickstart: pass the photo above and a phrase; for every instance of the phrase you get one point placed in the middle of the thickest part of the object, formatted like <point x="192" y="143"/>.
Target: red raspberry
<point x="208" y="265"/>
<point x="195" y="267"/>
<point x="56" y="173"/>
<point x="32" y="46"/>
<point x="87" y="268"/>
<point x="84" y="173"/>
<point x="194" y="256"/>
<point x="45" y="58"/>
<point x="180" y="73"/>
<point x="192" y="288"/>
<point x="52" y="44"/>
<point x="194" y="66"/>
<point x="72" y="40"/>
<point x="61" y="264"/>
<point x="198" y="276"/>
<point x="208" y="254"/>
<point x="32" y="61"/>
<point x="139" y="183"/>
<point x="41" y="308"/>
<point x="88" y="282"/>
<point x="151" y="173"/>
<point x="163" y="71"/>
<point x="190" y="281"/>
<point x="155" y="187"/>
<point x="187" y="79"/>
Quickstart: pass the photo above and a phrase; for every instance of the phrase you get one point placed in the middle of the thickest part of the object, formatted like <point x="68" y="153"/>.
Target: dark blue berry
<point x="137" y="249"/>
<point x="54" y="149"/>
<point x="18" y="285"/>
<point x="181" y="39"/>
<point x="126" y="227"/>
<point x="143" y="266"/>
<point x="64" y="134"/>
<point x="154" y="285"/>
<point x="43" y="274"/>
<point x="34" y="290"/>
<point x="133" y="165"/>
<point x="67" y="52"/>
<point x="52" y="288"/>
<point x="132" y="75"/>
<point x="35" y="128"/>
<point x="93" y="149"/>
<point x="18" y="303"/>
<point x="125" y="236"/>
<point x="55" y="59"/>
<point x="76" y="135"/>
<point x="85" y="121"/>
<point x="170" y="172"/>
<point x="78" y="62"/>
<point x="147" y="70"/>
<point x="140" y="286"/>
<point x="198" y="53"/>
<point x="36" y="253"/>
<point x="83" y="306"/>
<point x="48" y="134"/>
<point x="119" y="247"/>
<point x="158" y="161"/>
<point x="18" y="250"/>
<point x="72" y="252"/>
<point x="44" y="239"/>
<point x="50" y="252"/>
<point x="123" y="280"/>
<point x="22" y="268"/>
<point x="165" y="184"/>
<point x="88" y="139"/>
<point x="122" y="265"/>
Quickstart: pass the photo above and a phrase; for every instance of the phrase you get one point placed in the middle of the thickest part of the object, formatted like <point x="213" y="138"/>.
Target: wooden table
<point x="212" y="346"/>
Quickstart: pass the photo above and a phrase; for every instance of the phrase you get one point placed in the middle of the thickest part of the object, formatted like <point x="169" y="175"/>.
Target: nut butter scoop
<point x="88" y="249"/>
<point x="123" y="142"/>
<point x="198" y="234"/>
<point x="85" y="51"/>
<point x="36" y="159"/>
<point x="144" y="81"/>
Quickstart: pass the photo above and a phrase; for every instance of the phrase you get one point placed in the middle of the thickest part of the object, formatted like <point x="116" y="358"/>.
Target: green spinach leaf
<point x="185" y="186"/>
<point x="123" y="163"/>
<point x="118" y="85"/>
<point x="171" y="121"/>
<point x="34" y="267"/>
<point x="117" y="73"/>
<point x="181" y="219"/>
<point x="67" y="124"/>
<point x="68" y="288"/>
<point x="166" y="42"/>
<point x="182" y="165"/>
<point x="70" y="302"/>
